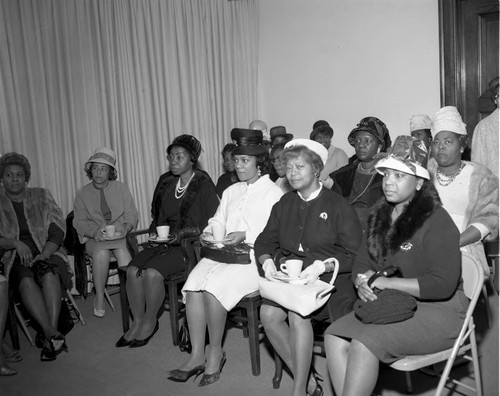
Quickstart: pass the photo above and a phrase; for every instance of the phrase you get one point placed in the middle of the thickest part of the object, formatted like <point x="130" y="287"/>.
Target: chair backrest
<point x="473" y="277"/>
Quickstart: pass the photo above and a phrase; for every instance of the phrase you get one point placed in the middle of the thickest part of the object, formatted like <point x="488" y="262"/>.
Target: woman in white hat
<point x="103" y="202"/>
<point x="408" y="229"/>
<point x="310" y="224"/>
<point x="469" y="191"/>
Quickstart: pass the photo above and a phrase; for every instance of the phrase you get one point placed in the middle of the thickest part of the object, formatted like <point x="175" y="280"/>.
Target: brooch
<point x="406" y="246"/>
<point x="323" y="216"/>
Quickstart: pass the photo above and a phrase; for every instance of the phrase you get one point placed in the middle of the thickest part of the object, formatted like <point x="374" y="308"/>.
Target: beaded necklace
<point x="179" y="191"/>
<point x="444" y="179"/>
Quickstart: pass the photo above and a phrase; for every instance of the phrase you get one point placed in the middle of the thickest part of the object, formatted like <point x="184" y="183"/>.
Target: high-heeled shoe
<point x="99" y="312"/>
<point x="7" y="371"/>
<point x="13" y="357"/>
<point x="135" y="343"/>
<point x="122" y="342"/>
<point x="182" y="375"/>
<point x="208" y="379"/>
<point x="47" y="354"/>
<point x="318" y="390"/>
<point x="58" y="344"/>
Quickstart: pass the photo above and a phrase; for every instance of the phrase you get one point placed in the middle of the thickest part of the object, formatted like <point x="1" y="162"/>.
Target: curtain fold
<point x="129" y="75"/>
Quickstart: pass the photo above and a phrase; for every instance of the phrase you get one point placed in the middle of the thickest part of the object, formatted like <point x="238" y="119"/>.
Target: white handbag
<point x="303" y="299"/>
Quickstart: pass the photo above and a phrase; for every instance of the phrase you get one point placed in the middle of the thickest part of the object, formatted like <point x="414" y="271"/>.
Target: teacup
<point x="163" y="231"/>
<point x="292" y="267"/>
<point x="110" y="230"/>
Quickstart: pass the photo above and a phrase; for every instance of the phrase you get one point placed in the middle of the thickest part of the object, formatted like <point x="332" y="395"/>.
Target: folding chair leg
<point x="106" y="294"/>
<point x="475" y="364"/>
<point x="14" y="334"/>
<point x="22" y="321"/>
<point x="253" y="338"/>
<point x="174" y="312"/>
<point x="75" y="307"/>
<point x="409" y="385"/>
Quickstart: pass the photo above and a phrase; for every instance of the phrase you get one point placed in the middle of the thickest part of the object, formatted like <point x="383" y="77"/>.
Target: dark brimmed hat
<point x="323" y="130"/>
<point x="280" y="131"/>
<point x="102" y="155"/>
<point x="373" y="126"/>
<point x="248" y="142"/>
<point x="189" y="142"/>
<point x="408" y="155"/>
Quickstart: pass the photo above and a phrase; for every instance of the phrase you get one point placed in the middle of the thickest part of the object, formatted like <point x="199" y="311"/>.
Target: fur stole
<point x="40" y="211"/>
<point x="383" y="237"/>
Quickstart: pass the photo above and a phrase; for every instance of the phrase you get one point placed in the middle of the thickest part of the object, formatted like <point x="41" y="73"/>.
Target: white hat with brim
<point x="312" y="145"/>
<point x="102" y="155"/>
<point x="399" y="165"/>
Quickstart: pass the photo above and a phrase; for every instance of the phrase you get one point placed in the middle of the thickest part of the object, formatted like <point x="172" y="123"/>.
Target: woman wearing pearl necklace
<point x="469" y="191"/>
<point x="184" y="199"/>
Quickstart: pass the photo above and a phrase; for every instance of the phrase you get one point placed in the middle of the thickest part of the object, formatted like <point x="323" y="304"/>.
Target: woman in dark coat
<point x="359" y="183"/>
<point x="184" y="199"/>
<point x="409" y="229"/>
<point x="311" y="224"/>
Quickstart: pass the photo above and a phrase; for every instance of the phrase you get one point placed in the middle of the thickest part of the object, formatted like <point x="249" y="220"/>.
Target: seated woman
<point x="359" y="183"/>
<point x="31" y="234"/>
<point x="229" y="177"/>
<point x="104" y="201"/>
<point x="5" y="370"/>
<point x="279" y="166"/>
<point x="184" y="199"/>
<point x="469" y="191"/>
<point x="214" y="288"/>
<point x="411" y="230"/>
<point x="312" y="224"/>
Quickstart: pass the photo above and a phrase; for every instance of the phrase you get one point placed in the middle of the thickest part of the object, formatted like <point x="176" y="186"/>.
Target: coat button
<point x="301" y="227"/>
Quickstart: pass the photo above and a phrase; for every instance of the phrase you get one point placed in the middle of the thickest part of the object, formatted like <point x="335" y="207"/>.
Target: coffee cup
<point x="218" y="232"/>
<point x="163" y="231"/>
<point x="292" y="268"/>
<point x="110" y="230"/>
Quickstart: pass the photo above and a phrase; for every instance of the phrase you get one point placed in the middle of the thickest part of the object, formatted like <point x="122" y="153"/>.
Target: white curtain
<point x="130" y="75"/>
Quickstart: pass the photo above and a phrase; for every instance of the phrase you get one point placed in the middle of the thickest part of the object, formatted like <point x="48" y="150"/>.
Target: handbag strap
<point x="336" y="266"/>
<point x="388" y="271"/>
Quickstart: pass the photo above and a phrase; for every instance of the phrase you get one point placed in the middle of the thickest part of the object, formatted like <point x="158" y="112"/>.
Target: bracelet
<point x="329" y="266"/>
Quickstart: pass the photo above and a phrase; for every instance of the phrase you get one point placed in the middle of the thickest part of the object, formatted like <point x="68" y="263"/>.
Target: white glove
<point x="313" y="272"/>
<point x="269" y="269"/>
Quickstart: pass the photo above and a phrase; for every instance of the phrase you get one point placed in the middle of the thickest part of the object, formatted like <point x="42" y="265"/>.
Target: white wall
<point x="342" y="60"/>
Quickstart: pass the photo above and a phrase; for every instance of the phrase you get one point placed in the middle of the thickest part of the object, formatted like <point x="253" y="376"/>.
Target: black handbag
<point x="236" y="254"/>
<point x="184" y="338"/>
<point x="66" y="321"/>
<point x="391" y="306"/>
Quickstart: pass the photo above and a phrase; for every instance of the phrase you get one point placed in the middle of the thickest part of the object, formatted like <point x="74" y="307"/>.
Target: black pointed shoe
<point x="135" y="343"/>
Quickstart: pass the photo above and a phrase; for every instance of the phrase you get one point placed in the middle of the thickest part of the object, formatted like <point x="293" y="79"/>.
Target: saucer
<point x="160" y="240"/>
<point x="282" y="277"/>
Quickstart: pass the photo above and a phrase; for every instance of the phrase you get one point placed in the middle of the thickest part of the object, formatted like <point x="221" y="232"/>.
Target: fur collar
<point x="383" y="237"/>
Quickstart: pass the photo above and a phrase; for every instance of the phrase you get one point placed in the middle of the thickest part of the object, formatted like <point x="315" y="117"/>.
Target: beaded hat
<point x="420" y="121"/>
<point x="448" y="119"/>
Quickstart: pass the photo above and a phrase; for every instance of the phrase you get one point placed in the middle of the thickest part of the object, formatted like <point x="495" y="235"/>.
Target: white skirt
<point x="228" y="283"/>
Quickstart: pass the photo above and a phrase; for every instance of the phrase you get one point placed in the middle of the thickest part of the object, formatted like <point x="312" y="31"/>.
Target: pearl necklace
<point x="179" y="191"/>
<point x="365" y="171"/>
<point x="444" y="179"/>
